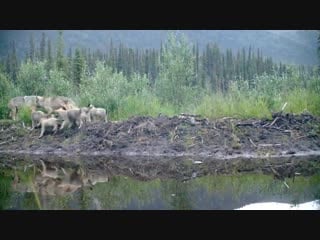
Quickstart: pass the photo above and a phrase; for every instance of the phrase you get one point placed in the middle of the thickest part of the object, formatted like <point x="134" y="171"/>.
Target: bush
<point x="104" y="89"/>
<point x="145" y="104"/>
<point x="32" y="78"/>
<point x="58" y="85"/>
<point x="24" y="115"/>
<point x="7" y="91"/>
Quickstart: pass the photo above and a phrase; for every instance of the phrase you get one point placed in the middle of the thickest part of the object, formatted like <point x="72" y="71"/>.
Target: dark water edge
<point x="19" y="189"/>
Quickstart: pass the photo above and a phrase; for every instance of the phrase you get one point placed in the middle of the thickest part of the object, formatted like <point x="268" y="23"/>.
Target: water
<point x="26" y="189"/>
<point x="313" y="205"/>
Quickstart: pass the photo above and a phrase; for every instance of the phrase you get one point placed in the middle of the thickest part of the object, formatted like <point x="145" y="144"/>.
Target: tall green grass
<point x="143" y="105"/>
<point x="301" y="100"/>
<point x="219" y="105"/>
<point x="124" y="97"/>
<point x="24" y="115"/>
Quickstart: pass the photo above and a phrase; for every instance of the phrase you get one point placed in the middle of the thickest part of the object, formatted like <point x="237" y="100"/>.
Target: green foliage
<point x="5" y="190"/>
<point x="60" y="58"/>
<point x="109" y="89"/>
<point x="178" y="78"/>
<point x="313" y="84"/>
<point x="78" y="67"/>
<point x="32" y="78"/>
<point x="301" y="100"/>
<point x="7" y="91"/>
<point x="240" y="106"/>
<point x="42" y="47"/>
<point x="24" y="114"/>
<point x="176" y="71"/>
<point x="273" y="91"/>
<point x="32" y="50"/>
<point x="104" y="89"/>
<point x="5" y="88"/>
<point x="139" y="85"/>
<point x="121" y="97"/>
<point x="49" y="62"/>
<point x="146" y="104"/>
<point x="58" y="85"/>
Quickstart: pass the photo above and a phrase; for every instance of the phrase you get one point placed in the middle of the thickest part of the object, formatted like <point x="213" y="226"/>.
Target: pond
<point x="29" y="188"/>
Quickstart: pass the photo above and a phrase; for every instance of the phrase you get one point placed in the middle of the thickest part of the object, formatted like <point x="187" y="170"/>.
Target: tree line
<point x="177" y="77"/>
<point x="213" y="68"/>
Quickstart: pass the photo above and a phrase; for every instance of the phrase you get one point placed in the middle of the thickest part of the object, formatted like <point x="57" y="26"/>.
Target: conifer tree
<point x="12" y="63"/>
<point x="78" y="67"/>
<point x="32" y="53"/>
<point x="49" y="62"/>
<point x="42" y="47"/>
<point x="60" y="59"/>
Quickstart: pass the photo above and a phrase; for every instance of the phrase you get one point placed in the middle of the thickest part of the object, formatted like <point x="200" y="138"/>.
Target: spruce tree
<point x="12" y="63"/>
<point x="78" y="67"/>
<point x="60" y="60"/>
<point x="42" y="46"/>
<point x="49" y="62"/>
<point x="32" y="53"/>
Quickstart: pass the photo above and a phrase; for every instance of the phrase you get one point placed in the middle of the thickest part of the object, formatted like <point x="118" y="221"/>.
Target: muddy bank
<point x="153" y="147"/>
<point x="285" y="134"/>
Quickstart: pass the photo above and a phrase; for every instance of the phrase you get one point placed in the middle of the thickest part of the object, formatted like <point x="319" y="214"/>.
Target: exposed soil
<point x="183" y="146"/>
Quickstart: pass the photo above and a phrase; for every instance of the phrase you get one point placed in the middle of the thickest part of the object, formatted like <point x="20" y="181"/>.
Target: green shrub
<point x="7" y="91"/>
<point x="24" y="115"/>
<point x="58" y="85"/>
<point x="32" y="78"/>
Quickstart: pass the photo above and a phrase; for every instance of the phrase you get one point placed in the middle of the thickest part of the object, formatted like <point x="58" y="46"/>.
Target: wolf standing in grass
<point x="17" y="103"/>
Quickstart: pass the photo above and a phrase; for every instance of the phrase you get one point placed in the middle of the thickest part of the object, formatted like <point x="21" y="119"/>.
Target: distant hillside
<point x="298" y="47"/>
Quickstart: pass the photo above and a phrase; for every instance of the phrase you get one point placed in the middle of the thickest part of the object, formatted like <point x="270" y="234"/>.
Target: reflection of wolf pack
<point x="58" y="110"/>
<point x="55" y="180"/>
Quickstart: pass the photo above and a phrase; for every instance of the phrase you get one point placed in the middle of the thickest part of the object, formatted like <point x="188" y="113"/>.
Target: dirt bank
<point x="154" y="146"/>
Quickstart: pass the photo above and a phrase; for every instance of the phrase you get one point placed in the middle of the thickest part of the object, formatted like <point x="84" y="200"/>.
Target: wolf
<point x="62" y="115"/>
<point x="71" y="117"/>
<point x="36" y="117"/>
<point x="52" y="103"/>
<point x="48" y="122"/>
<point x="85" y="114"/>
<point x="20" y="101"/>
<point x="74" y="117"/>
<point x="97" y="113"/>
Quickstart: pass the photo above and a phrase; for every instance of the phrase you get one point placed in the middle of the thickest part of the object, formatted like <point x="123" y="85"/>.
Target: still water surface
<point x="27" y="190"/>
